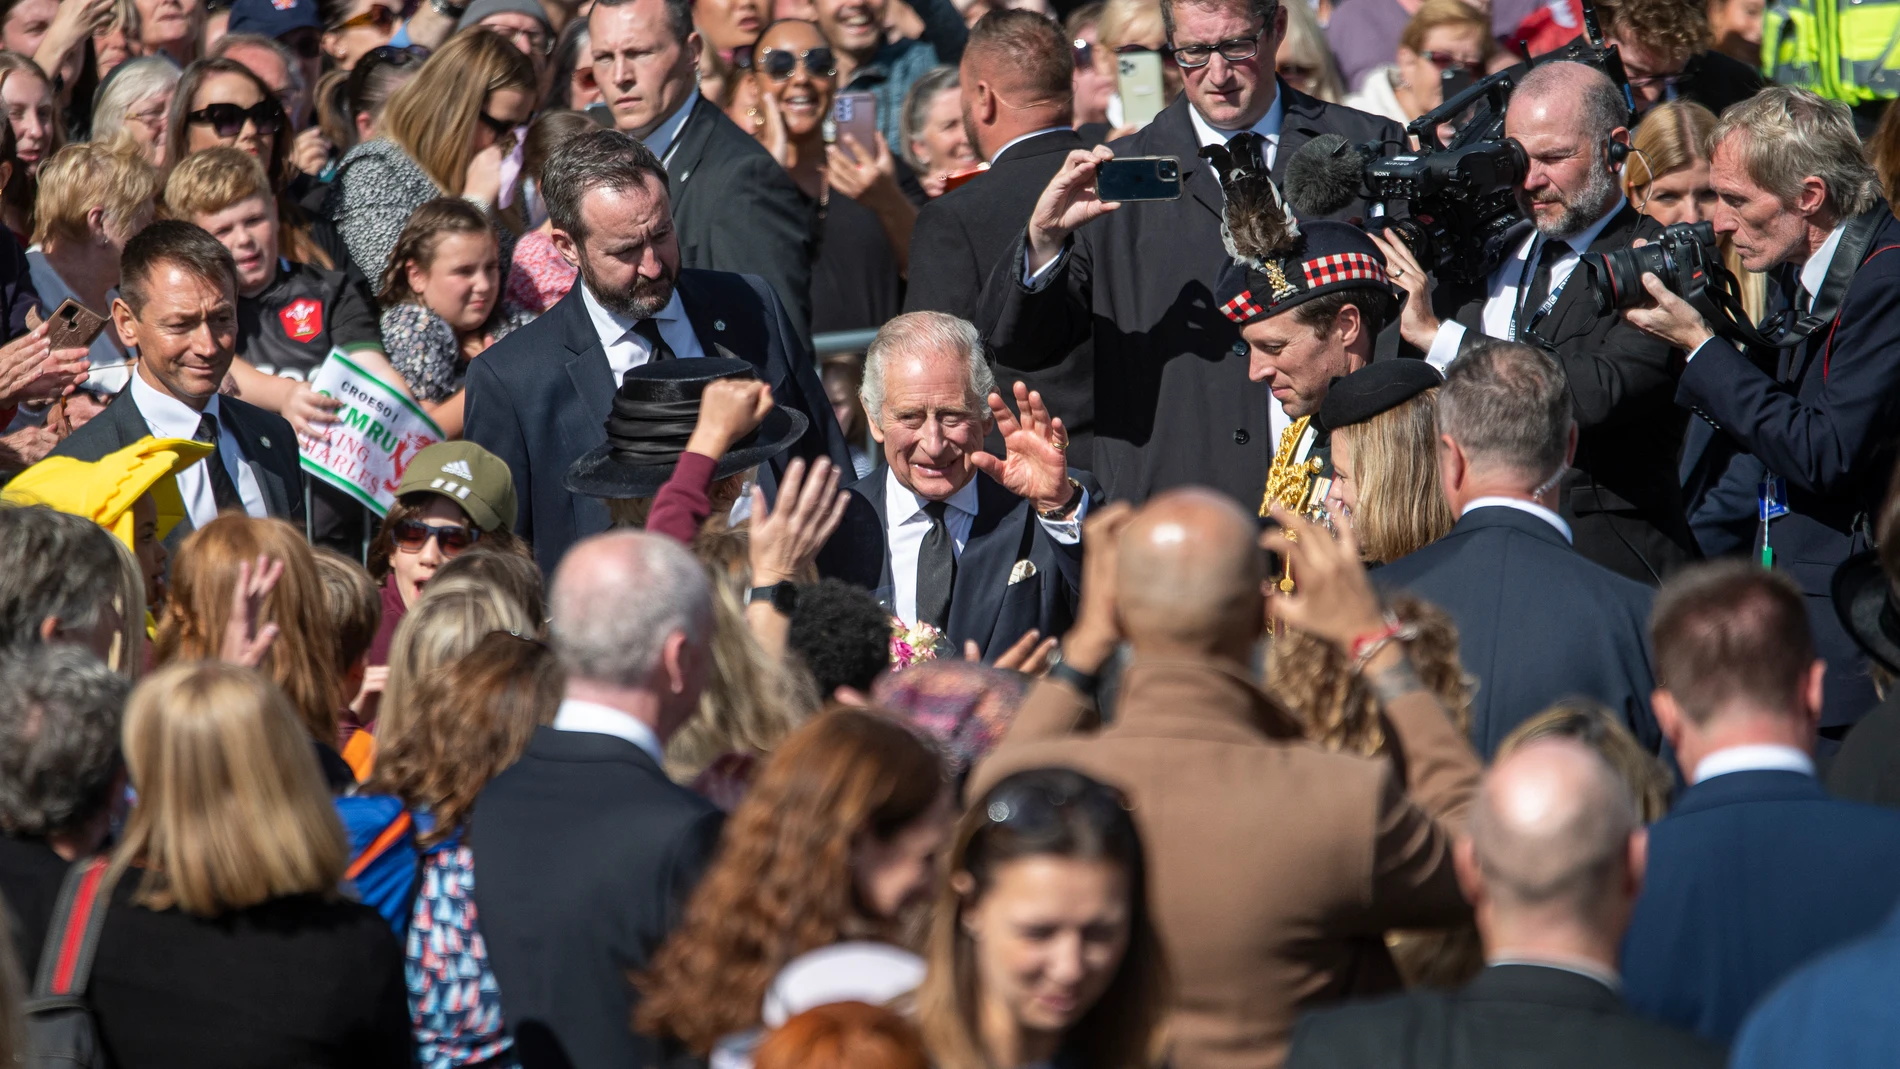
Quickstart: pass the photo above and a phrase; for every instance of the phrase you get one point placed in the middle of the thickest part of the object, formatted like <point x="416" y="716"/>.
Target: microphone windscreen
<point x="1324" y="176"/>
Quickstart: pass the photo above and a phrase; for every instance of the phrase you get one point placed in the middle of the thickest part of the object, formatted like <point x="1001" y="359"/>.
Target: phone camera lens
<point x="1169" y="170"/>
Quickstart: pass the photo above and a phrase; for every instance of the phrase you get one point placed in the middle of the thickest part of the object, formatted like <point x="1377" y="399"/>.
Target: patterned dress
<point x="453" y="999"/>
<point x="540" y="275"/>
<point x="423" y="350"/>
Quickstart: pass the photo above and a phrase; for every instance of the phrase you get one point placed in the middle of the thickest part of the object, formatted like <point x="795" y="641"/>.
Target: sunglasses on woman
<point x="1445" y="61"/>
<point x="267" y="116"/>
<point x="1031" y="810"/>
<point x="411" y="535"/>
<point x="778" y="65"/>
<point x="378" y="16"/>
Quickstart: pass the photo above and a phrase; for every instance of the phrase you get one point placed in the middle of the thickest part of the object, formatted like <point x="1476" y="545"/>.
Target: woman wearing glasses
<point x="1444" y="36"/>
<point x="1042" y="952"/>
<point x="444" y="133"/>
<point x="136" y="98"/>
<point x="861" y="220"/>
<point x="353" y="29"/>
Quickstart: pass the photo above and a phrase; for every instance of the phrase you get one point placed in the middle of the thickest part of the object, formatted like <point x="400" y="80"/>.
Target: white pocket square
<point x="1023" y="570"/>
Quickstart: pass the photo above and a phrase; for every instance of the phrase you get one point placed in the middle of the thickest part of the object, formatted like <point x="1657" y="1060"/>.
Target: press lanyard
<point x="1771" y="501"/>
<point x="1524" y="285"/>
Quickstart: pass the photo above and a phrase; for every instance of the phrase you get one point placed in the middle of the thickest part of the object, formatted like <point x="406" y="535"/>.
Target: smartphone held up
<point x="1138" y="178"/>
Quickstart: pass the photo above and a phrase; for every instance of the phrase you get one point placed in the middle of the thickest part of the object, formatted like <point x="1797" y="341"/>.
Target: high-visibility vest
<point x="1849" y="52"/>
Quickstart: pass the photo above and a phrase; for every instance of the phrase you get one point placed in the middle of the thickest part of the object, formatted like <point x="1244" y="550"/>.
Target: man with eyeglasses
<point x="523" y="22"/>
<point x="1172" y="404"/>
<point x="1666" y="55"/>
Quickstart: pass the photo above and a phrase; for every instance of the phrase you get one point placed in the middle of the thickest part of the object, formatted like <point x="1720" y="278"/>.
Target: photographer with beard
<point x="1800" y="201"/>
<point x="1621" y="498"/>
<point x="541" y="397"/>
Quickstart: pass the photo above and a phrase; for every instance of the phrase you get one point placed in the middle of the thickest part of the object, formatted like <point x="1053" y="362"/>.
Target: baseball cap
<point x="481" y="9"/>
<point x="273" y="18"/>
<point x="467" y="474"/>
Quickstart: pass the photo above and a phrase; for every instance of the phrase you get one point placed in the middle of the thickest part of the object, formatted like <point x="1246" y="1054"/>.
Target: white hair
<point x="920" y="334"/>
<point x="1784" y="135"/>
<point x="134" y="82"/>
<point x="617" y="597"/>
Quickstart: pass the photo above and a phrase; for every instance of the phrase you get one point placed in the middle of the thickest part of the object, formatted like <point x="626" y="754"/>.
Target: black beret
<point x="1378" y="387"/>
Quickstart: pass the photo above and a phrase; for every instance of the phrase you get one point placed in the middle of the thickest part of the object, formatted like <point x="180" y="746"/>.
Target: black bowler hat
<point x="1863" y="599"/>
<point x="1378" y="387"/>
<point x="653" y="416"/>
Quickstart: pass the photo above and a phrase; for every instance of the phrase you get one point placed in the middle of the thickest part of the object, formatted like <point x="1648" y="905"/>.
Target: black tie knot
<point x="207" y="428"/>
<point x="935" y="510"/>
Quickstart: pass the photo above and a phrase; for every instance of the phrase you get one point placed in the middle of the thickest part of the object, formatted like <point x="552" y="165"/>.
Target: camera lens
<point x="1168" y="170"/>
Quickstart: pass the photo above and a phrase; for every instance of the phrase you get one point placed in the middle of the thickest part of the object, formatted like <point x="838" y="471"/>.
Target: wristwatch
<point x="783" y="597"/>
<point x="1059" y="515"/>
<point x="1085" y="683"/>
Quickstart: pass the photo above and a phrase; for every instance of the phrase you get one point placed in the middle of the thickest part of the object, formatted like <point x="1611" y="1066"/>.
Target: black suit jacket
<point x="1623" y="497"/>
<point x="587" y="855"/>
<point x="1824" y="421"/>
<point x="1536" y="622"/>
<point x="539" y="399"/>
<point x="986" y="606"/>
<point x="268" y="444"/>
<point x="735" y="209"/>
<point x="1173" y="405"/>
<point x="963" y="235"/>
<point x="1509" y="1017"/>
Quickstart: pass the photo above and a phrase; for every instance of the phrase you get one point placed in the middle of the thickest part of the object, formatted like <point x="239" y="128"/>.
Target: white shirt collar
<point x="1521" y="505"/>
<point x="573" y="715"/>
<point x="1580" y="967"/>
<point x="964" y="500"/>
<point x="1268" y="126"/>
<point x="612" y="326"/>
<point x="1814" y="272"/>
<point x="1756" y="757"/>
<point x="1014" y="141"/>
<point x="167" y="415"/>
<point x="660" y="141"/>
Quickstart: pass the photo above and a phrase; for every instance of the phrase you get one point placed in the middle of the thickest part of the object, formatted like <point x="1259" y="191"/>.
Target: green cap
<point x="467" y="474"/>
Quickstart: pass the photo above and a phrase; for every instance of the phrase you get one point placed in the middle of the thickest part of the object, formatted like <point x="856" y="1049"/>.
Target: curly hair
<point x="783" y="883"/>
<point x="841" y="634"/>
<point x="1674" y="28"/>
<point x="470" y="718"/>
<point x="1311" y="676"/>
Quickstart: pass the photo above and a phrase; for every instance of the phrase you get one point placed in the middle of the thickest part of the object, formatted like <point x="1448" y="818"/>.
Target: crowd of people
<point x="872" y="601"/>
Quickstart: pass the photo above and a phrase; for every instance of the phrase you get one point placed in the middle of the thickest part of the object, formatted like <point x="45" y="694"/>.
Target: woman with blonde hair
<point x="1443" y="35"/>
<point x="444" y="133"/>
<point x="1383" y="427"/>
<point x="1042" y="949"/>
<point x="1305" y="61"/>
<point x="224" y="917"/>
<point x="1666" y="177"/>
<point x="213" y="569"/>
<point x="37" y="132"/>
<point x="836" y="840"/>
<point x="1130" y="26"/>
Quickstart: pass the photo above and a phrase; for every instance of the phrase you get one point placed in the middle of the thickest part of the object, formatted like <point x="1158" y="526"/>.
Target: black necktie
<point x="656" y="345"/>
<point x="223" y="490"/>
<point x="1548" y="253"/>
<point x="936" y="569"/>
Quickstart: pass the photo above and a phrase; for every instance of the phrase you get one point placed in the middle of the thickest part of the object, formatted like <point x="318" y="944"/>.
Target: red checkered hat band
<point x="1342" y="267"/>
<point x="1242" y="308"/>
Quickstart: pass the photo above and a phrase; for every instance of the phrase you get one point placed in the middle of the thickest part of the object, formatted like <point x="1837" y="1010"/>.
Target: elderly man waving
<point x="983" y="549"/>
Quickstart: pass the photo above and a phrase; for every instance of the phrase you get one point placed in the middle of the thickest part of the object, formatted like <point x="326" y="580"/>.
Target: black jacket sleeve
<point x="1031" y="327"/>
<point x="944" y="274"/>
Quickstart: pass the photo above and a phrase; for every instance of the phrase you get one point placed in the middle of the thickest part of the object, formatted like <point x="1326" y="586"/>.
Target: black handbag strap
<point x="73" y="937"/>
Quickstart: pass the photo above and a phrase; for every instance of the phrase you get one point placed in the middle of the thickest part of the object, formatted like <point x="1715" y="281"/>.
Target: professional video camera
<point x="1453" y="203"/>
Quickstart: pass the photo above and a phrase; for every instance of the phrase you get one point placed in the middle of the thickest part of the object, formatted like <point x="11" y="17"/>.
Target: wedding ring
<point x="1398" y="272"/>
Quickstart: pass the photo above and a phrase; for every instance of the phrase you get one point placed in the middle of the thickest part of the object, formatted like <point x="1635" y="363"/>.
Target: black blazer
<point x="1536" y="622"/>
<point x="1173" y="405"/>
<point x="586" y="854"/>
<point x="1623" y="498"/>
<point x="539" y="399"/>
<point x="268" y="443"/>
<point x="1867" y="768"/>
<point x="963" y="235"/>
<point x="735" y="209"/>
<point x="1508" y="1017"/>
<point x="1824" y="421"/>
<point x="986" y="606"/>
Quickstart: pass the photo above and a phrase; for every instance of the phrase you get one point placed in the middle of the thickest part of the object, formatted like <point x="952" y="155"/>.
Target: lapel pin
<point x="719" y="324"/>
<point x="263" y="441"/>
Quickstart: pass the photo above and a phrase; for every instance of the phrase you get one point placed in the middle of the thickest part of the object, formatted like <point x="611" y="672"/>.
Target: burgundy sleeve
<point x="682" y="504"/>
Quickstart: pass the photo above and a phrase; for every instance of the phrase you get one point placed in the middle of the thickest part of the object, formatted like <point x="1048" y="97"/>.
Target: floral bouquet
<point x="915" y="645"/>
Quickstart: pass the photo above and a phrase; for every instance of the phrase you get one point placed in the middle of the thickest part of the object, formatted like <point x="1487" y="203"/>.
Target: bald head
<point x="1563" y="93"/>
<point x="616" y="600"/>
<point x="1190" y="570"/>
<point x="1551" y="829"/>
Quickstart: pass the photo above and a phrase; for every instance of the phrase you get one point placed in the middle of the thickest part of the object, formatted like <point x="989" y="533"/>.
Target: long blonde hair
<point x="232" y="810"/>
<point x="433" y="116"/>
<point x="1401" y="505"/>
<point x="1674" y="135"/>
<point x="450" y="618"/>
<point x="204" y="574"/>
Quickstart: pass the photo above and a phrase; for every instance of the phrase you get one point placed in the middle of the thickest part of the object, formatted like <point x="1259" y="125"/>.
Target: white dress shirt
<point x="1014" y="141"/>
<point x="1758" y="757"/>
<point x="1587" y="969"/>
<point x="1813" y="273"/>
<point x="1268" y="127"/>
<point x="1501" y="305"/>
<point x="598" y="719"/>
<point x="1521" y="505"/>
<point x="168" y="417"/>
<point x="661" y="140"/>
<point x="906" y="523"/>
<point x="624" y="348"/>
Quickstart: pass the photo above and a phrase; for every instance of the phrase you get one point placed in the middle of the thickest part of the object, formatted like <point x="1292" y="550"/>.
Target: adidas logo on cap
<point x="458" y="468"/>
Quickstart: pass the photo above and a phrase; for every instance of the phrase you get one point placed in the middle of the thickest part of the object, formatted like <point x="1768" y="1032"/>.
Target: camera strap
<point x="1848" y="257"/>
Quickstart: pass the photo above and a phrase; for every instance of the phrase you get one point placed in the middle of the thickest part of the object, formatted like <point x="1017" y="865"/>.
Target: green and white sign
<point x="377" y="432"/>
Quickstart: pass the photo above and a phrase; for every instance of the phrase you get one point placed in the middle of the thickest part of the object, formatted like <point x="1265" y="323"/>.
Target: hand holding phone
<point x="1139" y="178"/>
<point x="855" y="114"/>
<point x="74" y="326"/>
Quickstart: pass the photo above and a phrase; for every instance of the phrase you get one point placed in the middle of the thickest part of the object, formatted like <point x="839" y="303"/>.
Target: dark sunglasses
<point x="1084" y="52"/>
<point x="229" y="119"/>
<point x="1034" y="811"/>
<point x="399" y="58"/>
<point x="411" y="535"/>
<point x="778" y="65"/>
<point x="1445" y="61"/>
<point x="501" y="128"/>
<point x="378" y="16"/>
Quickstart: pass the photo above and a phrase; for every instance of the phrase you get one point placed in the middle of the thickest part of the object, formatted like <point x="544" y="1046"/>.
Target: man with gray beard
<point x="541" y="397"/>
<point x="1622" y="497"/>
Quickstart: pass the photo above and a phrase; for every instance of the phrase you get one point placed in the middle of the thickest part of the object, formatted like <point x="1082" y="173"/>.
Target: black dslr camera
<point x="1685" y="259"/>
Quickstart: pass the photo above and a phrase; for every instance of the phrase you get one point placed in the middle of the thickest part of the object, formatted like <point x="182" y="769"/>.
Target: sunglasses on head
<point x="778" y="65"/>
<point x="411" y="535"/>
<point x="378" y="16"/>
<point x="1034" y="811"/>
<point x="267" y="116"/>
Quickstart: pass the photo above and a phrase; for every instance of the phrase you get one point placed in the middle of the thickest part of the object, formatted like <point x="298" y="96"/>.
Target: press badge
<point x="1771" y="501"/>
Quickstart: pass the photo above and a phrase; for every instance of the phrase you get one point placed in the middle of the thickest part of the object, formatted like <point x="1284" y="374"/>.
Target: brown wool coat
<point x="1275" y="868"/>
